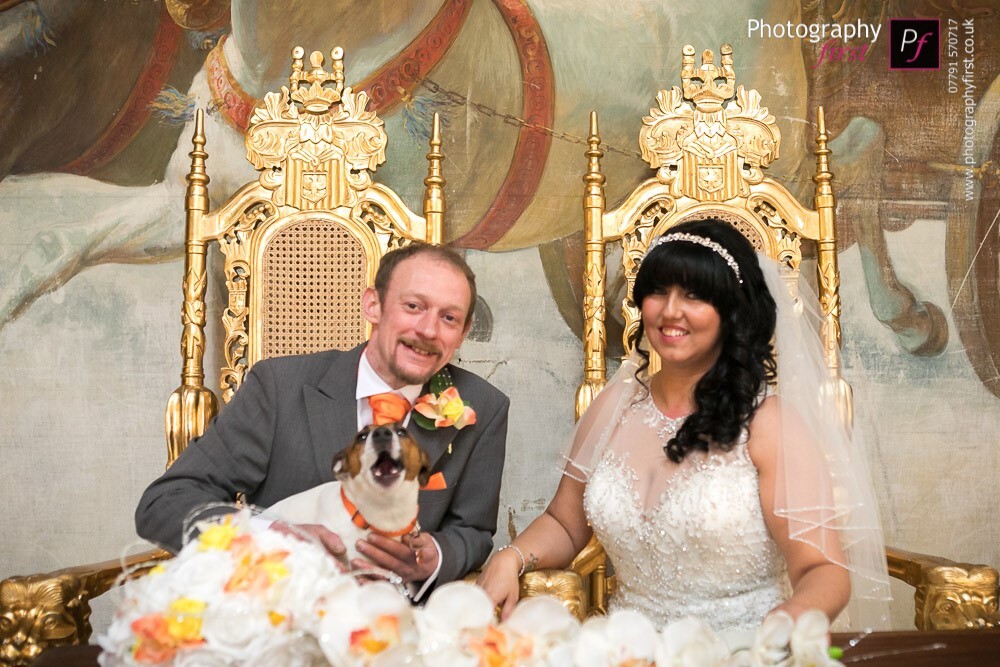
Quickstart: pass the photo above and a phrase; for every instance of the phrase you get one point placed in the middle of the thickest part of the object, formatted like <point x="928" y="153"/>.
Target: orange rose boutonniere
<point x="442" y="406"/>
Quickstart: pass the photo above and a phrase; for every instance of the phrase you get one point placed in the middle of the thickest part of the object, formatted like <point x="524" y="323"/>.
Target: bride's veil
<point x="823" y="486"/>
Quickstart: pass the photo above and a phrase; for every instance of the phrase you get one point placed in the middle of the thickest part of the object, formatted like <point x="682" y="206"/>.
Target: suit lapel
<point x="434" y="443"/>
<point x="332" y="410"/>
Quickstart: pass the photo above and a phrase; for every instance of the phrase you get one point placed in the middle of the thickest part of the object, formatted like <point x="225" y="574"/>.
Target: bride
<point x="725" y="486"/>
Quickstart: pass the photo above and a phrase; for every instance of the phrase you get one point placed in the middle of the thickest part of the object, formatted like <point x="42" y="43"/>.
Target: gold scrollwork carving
<point x="788" y="250"/>
<point x="957" y="597"/>
<point x="375" y="218"/>
<point x="634" y="244"/>
<point x="193" y="315"/>
<point x="595" y="308"/>
<point x="39" y="612"/>
<point x="235" y="246"/>
<point x="235" y="320"/>
<point x="829" y="278"/>
<point x="566" y="585"/>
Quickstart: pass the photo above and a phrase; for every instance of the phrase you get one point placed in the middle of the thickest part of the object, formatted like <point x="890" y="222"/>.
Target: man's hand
<point x="413" y="559"/>
<point x="330" y="541"/>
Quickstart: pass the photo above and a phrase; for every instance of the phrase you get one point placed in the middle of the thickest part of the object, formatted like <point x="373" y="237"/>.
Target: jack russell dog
<point x="378" y="477"/>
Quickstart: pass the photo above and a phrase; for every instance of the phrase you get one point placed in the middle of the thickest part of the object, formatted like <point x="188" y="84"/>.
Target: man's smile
<point x="419" y="349"/>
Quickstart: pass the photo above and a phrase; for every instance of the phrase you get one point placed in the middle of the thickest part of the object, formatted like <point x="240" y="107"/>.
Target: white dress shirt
<point x="370" y="384"/>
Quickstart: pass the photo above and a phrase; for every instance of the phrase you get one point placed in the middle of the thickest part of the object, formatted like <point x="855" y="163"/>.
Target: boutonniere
<point x="442" y="406"/>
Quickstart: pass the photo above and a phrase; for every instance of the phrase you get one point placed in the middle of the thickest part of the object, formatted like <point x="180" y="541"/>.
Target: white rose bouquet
<point x="232" y="596"/>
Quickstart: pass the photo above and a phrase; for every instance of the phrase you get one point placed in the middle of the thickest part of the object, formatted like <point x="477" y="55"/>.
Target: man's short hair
<point x="442" y="253"/>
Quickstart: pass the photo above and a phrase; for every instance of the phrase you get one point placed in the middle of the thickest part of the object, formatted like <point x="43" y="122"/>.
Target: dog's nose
<point x="382" y="436"/>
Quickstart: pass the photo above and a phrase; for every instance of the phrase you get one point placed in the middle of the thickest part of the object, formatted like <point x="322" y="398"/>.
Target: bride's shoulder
<point x="775" y="424"/>
<point x="609" y="403"/>
<point x="764" y="432"/>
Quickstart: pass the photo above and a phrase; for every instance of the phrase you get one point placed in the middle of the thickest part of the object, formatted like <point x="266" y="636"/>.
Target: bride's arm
<point x="550" y="541"/>
<point x="817" y="582"/>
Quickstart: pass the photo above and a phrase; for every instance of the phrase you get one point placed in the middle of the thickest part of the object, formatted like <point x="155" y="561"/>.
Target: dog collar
<point x="359" y="520"/>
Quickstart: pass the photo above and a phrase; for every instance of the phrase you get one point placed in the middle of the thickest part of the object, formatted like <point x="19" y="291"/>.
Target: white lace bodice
<point x="687" y="540"/>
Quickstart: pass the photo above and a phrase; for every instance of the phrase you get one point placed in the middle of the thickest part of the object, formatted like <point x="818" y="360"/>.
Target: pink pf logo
<point x="914" y="44"/>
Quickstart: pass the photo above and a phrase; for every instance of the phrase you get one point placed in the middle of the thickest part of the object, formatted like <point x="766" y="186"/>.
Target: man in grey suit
<point x="283" y="427"/>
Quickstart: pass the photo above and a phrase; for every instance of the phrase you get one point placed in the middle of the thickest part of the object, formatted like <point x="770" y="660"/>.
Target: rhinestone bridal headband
<point x="702" y="241"/>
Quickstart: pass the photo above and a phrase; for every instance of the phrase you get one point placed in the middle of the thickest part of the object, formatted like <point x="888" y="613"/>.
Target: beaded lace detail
<point x="698" y="546"/>
<point x="665" y="427"/>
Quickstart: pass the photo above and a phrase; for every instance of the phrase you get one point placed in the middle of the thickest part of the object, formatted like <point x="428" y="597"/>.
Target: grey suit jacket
<point x="278" y="437"/>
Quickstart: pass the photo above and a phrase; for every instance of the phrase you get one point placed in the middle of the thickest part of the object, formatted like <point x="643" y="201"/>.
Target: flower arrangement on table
<point x="240" y="594"/>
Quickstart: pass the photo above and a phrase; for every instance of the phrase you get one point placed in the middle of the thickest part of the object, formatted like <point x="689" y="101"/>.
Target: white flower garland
<point x="240" y="594"/>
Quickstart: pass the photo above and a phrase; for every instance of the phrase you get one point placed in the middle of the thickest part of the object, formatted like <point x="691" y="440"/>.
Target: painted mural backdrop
<point x="97" y="101"/>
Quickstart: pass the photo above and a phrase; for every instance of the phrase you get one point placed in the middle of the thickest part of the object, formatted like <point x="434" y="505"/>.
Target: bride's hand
<point x="791" y="608"/>
<point x="500" y="581"/>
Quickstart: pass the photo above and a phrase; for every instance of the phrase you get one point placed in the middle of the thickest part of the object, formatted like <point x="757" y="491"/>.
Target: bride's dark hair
<point x="728" y="394"/>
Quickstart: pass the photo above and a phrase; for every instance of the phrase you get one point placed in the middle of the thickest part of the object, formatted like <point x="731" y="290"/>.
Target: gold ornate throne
<point x="300" y="244"/>
<point x="710" y="142"/>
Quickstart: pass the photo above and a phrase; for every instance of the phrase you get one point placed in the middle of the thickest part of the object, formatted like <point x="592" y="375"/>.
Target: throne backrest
<point x="709" y="141"/>
<point x="300" y="243"/>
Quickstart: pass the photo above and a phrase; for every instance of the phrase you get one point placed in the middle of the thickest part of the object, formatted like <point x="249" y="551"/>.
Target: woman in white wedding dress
<point x="716" y="491"/>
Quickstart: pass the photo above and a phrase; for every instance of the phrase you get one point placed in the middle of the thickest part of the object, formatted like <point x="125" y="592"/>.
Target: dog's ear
<point x="425" y="469"/>
<point x="340" y="471"/>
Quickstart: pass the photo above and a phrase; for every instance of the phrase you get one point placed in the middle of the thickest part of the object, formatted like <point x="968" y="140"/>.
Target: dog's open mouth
<point x="386" y="469"/>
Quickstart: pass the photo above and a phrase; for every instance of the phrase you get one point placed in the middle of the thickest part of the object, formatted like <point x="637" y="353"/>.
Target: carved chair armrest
<point x="948" y="595"/>
<point x="583" y="588"/>
<point x="566" y="585"/>
<point x="40" y="611"/>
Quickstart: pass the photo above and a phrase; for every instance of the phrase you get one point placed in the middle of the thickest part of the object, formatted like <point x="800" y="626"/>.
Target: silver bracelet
<point x="524" y="563"/>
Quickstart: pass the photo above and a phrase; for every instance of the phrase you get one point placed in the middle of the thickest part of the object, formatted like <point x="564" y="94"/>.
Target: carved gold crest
<point x="316" y="141"/>
<point x="709" y="139"/>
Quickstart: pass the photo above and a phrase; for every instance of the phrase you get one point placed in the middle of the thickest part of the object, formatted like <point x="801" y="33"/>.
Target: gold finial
<point x="687" y="62"/>
<point x="726" y="60"/>
<point x="197" y="178"/>
<point x="308" y="88"/>
<point x="594" y="155"/>
<point x="434" y="204"/>
<point x="823" y="174"/>
<point x="709" y="86"/>
<point x="337" y="65"/>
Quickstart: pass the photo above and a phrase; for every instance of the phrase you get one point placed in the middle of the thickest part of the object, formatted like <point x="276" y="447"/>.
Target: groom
<point x="283" y="427"/>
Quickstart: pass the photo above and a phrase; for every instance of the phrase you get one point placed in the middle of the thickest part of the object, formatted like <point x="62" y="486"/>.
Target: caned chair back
<point x="300" y="243"/>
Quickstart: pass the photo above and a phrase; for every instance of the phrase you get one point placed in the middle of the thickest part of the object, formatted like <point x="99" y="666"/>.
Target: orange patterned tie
<point x="388" y="408"/>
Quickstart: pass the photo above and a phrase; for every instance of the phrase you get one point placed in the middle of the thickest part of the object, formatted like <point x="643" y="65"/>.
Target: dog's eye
<point x="361" y="436"/>
<point x="400" y="431"/>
